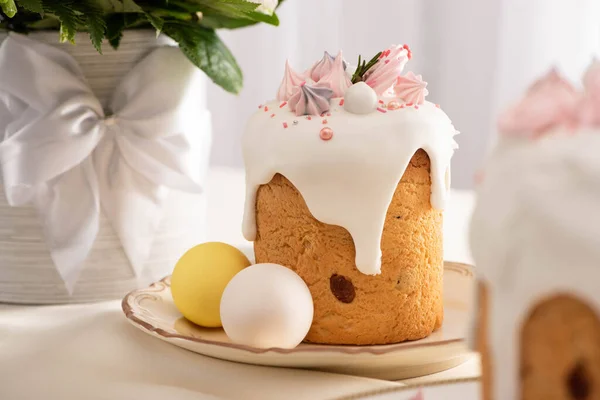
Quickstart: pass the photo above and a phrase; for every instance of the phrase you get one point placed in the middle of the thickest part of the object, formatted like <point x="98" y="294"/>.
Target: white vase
<point x="27" y="273"/>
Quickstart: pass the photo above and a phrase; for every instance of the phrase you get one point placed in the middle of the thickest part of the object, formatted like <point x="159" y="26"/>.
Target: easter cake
<point x="347" y="174"/>
<point x="536" y="240"/>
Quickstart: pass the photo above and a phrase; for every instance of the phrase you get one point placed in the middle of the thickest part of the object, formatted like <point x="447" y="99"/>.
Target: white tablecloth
<point x="81" y="352"/>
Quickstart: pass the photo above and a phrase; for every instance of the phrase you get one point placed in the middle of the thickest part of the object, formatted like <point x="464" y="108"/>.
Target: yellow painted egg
<point x="200" y="277"/>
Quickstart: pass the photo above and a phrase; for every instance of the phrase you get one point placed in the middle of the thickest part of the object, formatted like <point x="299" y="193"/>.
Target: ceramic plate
<point x="152" y="310"/>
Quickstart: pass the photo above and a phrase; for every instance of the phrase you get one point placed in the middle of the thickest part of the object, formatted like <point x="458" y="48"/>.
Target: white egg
<point x="267" y="305"/>
<point x="360" y="98"/>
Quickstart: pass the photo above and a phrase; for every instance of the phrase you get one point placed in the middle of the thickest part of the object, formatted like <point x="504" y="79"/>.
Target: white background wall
<point x="476" y="55"/>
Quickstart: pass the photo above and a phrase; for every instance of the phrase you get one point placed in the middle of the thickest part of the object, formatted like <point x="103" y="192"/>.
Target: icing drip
<point x="310" y="100"/>
<point x="411" y="88"/>
<point x="350" y="180"/>
<point x="384" y="73"/>
<point x="291" y="81"/>
<point x="336" y="79"/>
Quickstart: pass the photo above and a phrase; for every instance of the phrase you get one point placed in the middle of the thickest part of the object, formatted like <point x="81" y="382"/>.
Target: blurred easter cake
<point x="536" y="241"/>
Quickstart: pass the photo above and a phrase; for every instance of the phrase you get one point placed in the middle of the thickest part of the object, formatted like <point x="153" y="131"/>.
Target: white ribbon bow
<point x="62" y="155"/>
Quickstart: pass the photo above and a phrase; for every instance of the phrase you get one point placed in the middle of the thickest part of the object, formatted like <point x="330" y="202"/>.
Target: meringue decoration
<point x="321" y="68"/>
<point x="336" y="79"/>
<point x="590" y="105"/>
<point x="360" y="98"/>
<point x="291" y="81"/>
<point x="411" y="88"/>
<point x="551" y="102"/>
<point x="310" y="100"/>
<point x="384" y="73"/>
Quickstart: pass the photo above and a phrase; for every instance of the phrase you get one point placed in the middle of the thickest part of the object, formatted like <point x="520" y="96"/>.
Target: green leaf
<point x="204" y="48"/>
<point x="118" y="6"/>
<point x="95" y="23"/>
<point x="70" y="19"/>
<point x="261" y="17"/>
<point x="8" y="7"/>
<point x="215" y="20"/>
<point x="156" y="21"/>
<point x="227" y="8"/>
<point x="117" y="23"/>
<point x="32" y="5"/>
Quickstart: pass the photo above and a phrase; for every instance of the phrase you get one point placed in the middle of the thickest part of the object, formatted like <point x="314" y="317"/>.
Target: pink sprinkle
<point x="387" y="61"/>
<point x="324" y="121"/>
<point x="261" y="106"/>
<point x="329" y="114"/>
<point x="283" y="104"/>
<point x="380" y="101"/>
<point x="326" y="133"/>
<point x="309" y="118"/>
<point x="409" y="104"/>
<point x="266" y="108"/>
<point x="437" y="105"/>
<point x="272" y="115"/>
<point x="416" y="107"/>
<point x="285" y="125"/>
<point x="381" y="110"/>
<point x="408" y="50"/>
<point x="341" y="102"/>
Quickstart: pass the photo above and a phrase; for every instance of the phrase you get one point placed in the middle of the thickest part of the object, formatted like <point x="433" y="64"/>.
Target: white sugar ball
<point x="267" y="305"/>
<point x="360" y="98"/>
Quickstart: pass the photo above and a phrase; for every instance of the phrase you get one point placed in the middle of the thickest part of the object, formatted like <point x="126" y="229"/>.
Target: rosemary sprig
<point x="363" y="66"/>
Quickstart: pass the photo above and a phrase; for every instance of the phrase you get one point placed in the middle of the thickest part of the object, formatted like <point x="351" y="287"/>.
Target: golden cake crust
<point x="403" y="303"/>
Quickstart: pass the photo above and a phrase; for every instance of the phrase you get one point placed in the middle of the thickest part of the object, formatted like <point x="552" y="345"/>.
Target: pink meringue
<point x="291" y="81"/>
<point x="589" y="113"/>
<point x="336" y="79"/>
<point x="551" y="102"/>
<point x="321" y="68"/>
<point x="310" y="100"/>
<point x="411" y="88"/>
<point x="384" y="73"/>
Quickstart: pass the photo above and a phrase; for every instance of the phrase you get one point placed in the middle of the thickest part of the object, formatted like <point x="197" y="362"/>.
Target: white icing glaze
<point x="349" y="180"/>
<point x="360" y="98"/>
<point x="536" y="232"/>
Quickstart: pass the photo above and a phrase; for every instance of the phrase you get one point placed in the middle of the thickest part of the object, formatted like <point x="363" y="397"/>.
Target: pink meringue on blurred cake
<point x="551" y="102"/>
<point x="589" y="113"/>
